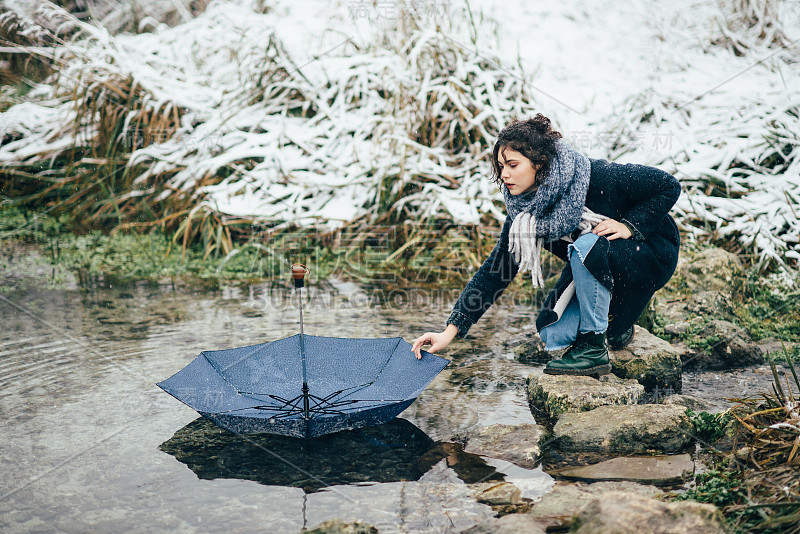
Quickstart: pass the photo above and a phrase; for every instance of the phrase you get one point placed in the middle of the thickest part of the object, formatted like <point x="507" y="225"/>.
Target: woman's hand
<point x="437" y="340"/>
<point x="611" y="229"/>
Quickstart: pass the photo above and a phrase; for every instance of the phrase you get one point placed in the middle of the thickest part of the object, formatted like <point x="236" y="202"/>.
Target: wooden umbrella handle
<point x="299" y="272"/>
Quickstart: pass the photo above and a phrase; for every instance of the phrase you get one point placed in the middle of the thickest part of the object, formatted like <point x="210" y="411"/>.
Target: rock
<point x="626" y="429"/>
<point x="622" y="513"/>
<point x="508" y="524"/>
<point x="710" y="304"/>
<point x="713" y="269"/>
<point x="650" y="360"/>
<point x="527" y="347"/>
<point x="496" y="493"/>
<point x="695" y="404"/>
<point x="722" y="345"/>
<point x="682" y="313"/>
<point x="676" y="329"/>
<point x="337" y="526"/>
<point x="518" y="444"/>
<point x="659" y="470"/>
<point x="553" y="395"/>
<point x="556" y="509"/>
<point x="777" y="348"/>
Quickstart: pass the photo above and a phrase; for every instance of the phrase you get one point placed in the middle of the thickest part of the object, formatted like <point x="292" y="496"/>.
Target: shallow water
<point x="90" y="443"/>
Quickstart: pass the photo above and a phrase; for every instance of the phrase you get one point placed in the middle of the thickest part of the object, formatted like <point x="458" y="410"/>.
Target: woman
<point x="610" y="223"/>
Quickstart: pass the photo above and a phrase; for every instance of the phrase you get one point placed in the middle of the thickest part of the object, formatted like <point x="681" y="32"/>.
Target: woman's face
<point x="516" y="171"/>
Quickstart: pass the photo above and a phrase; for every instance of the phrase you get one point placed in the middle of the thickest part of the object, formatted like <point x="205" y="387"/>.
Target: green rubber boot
<point x="620" y="341"/>
<point x="588" y="355"/>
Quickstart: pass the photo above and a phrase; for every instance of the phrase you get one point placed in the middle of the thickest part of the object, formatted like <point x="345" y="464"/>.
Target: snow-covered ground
<point x="630" y="80"/>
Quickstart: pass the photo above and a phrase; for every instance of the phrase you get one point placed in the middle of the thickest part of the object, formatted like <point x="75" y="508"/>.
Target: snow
<point x="310" y="109"/>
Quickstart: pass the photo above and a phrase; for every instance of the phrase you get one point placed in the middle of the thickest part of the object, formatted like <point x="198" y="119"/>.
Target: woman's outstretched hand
<point x="437" y="340"/>
<point x="612" y="229"/>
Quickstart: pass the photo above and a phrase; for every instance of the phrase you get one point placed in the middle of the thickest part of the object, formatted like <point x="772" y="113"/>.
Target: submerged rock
<point x="556" y="509"/>
<point x="650" y="360"/>
<point x="553" y="395"/>
<point x="722" y="345"/>
<point x="659" y="470"/>
<point x="508" y="524"/>
<point x="622" y="513"/>
<point x="337" y="526"/>
<point x="518" y="444"/>
<point x="489" y="375"/>
<point x="626" y="429"/>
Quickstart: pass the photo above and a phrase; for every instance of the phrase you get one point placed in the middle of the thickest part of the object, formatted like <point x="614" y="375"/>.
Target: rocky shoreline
<point x="617" y="445"/>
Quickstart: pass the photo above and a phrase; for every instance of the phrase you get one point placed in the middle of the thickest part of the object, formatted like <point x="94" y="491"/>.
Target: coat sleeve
<point x="486" y="285"/>
<point x="651" y="192"/>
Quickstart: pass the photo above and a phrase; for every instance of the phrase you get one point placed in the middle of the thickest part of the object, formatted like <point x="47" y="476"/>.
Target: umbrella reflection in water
<point x="392" y="452"/>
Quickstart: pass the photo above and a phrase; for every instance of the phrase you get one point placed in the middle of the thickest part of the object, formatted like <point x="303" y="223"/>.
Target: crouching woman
<point x="609" y="222"/>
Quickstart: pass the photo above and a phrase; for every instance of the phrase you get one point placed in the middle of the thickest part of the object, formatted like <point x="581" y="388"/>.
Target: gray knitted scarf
<point x="553" y="211"/>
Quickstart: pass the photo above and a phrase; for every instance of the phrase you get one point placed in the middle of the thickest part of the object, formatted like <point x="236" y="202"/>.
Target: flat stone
<point x="553" y="395"/>
<point x="659" y="470"/>
<point x="623" y="513"/>
<point x="650" y="360"/>
<point x="496" y="493"/>
<point x="627" y="429"/>
<point x="556" y="509"/>
<point x="508" y="524"/>
<point x="518" y="444"/>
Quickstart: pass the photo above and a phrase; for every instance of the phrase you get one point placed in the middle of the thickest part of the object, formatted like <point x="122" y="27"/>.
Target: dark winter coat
<point x="632" y="269"/>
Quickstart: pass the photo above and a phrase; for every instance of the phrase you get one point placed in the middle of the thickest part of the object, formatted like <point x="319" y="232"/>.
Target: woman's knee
<point x="583" y="245"/>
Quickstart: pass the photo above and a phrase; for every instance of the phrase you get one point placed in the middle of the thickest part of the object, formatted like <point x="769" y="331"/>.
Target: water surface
<point x="90" y="443"/>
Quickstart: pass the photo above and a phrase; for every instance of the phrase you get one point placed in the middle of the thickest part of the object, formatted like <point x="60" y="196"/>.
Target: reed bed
<point x="733" y="140"/>
<point x="212" y="131"/>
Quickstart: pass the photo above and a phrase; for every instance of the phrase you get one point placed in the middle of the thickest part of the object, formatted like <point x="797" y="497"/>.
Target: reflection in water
<point x="392" y="452"/>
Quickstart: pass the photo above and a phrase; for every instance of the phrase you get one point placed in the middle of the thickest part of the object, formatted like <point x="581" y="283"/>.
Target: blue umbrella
<point x="304" y="386"/>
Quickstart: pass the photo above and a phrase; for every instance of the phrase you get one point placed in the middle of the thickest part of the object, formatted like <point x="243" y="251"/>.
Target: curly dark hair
<point x="533" y="138"/>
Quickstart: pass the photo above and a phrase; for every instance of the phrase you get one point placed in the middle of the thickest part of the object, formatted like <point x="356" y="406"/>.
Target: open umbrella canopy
<point x="304" y="386"/>
<point x="351" y="383"/>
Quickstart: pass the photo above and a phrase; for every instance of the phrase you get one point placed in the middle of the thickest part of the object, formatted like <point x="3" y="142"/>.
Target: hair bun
<point x="542" y="125"/>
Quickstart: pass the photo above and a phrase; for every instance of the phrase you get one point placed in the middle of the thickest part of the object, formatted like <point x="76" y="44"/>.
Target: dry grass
<point x="770" y="434"/>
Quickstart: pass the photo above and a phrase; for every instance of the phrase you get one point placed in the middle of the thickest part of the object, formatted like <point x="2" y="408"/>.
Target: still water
<point x="91" y="444"/>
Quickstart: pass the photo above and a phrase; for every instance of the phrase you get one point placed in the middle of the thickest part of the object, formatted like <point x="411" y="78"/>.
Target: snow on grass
<point x="306" y="112"/>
